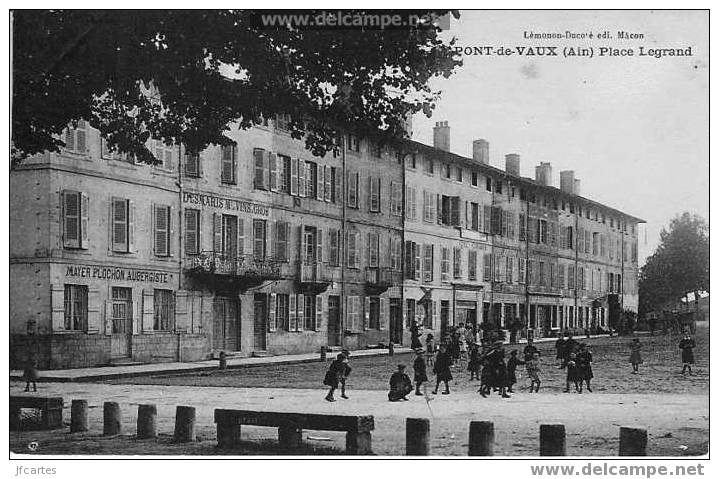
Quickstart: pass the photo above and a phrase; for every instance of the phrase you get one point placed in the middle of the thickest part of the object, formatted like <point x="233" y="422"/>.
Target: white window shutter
<point x="328" y="183"/>
<point x="319" y="246"/>
<point x="148" y="311"/>
<point x="108" y="318"/>
<point x="293" y="312"/>
<point x="170" y="231"/>
<point x="84" y="221"/>
<point x="240" y="237"/>
<point x="301" y="171"/>
<point x="181" y="316"/>
<point x="294" y="176"/>
<point x="320" y="183"/>
<point x="300" y="312"/>
<point x="130" y="226"/>
<point x="217" y="232"/>
<point x="301" y="240"/>
<point x="93" y="310"/>
<point x="319" y="310"/>
<point x="57" y="305"/>
<point x="272" y="322"/>
<point x="136" y="317"/>
<point x="270" y="160"/>
<point x="366" y="313"/>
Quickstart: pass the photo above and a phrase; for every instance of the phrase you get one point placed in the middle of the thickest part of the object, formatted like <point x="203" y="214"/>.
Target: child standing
<point x="573" y="376"/>
<point x="584" y="362"/>
<point x="442" y="369"/>
<point x="533" y="373"/>
<point x="430" y="350"/>
<point x="420" y="371"/>
<point x="344" y="372"/>
<point x="636" y="357"/>
<point x="512" y="370"/>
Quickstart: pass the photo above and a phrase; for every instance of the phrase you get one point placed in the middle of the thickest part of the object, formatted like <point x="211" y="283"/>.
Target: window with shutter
<point x="192" y="231"/>
<point x="71" y="202"/>
<point x="120" y="225"/>
<point x="457" y="263"/>
<point x="472" y="265"/>
<point x="164" y="310"/>
<point x="487" y="267"/>
<point x="373" y="246"/>
<point x="374" y="205"/>
<point x="76" y="308"/>
<point x="162" y="230"/>
<point x="259" y="235"/>
<point x="274" y="171"/>
<point x="428" y="267"/>
<point x="229" y="164"/>
<point x="260" y="169"/>
<point x="192" y="164"/>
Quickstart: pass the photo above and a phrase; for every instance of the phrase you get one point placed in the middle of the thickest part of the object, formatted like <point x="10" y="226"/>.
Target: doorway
<point x="225" y="324"/>
<point x="260" y="333"/>
<point x="395" y="320"/>
<point x="334" y="329"/>
<point x="121" y="323"/>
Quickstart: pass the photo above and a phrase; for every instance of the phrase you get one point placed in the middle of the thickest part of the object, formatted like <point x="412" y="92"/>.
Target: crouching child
<point x="399" y="385"/>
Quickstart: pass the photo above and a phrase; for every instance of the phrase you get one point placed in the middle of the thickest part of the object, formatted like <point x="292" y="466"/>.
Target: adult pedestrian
<point x="332" y="376"/>
<point x="687" y="345"/>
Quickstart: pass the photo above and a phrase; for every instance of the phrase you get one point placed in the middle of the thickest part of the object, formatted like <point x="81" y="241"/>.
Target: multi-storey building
<point x="259" y="247"/>
<point x="484" y="245"/>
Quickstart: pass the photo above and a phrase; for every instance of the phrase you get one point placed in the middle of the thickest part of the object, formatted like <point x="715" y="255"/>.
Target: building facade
<point x="258" y="247"/>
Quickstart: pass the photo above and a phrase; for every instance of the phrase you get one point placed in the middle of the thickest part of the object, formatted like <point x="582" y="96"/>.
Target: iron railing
<point x="232" y="265"/>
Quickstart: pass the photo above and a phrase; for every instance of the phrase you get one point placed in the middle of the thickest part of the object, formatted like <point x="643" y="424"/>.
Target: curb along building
<point x="261" y="248"/>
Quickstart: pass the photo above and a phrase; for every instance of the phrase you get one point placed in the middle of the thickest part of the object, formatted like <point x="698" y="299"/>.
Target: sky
<point x="634" y="129"/>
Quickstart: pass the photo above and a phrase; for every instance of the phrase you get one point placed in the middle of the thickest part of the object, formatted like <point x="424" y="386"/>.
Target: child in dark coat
<point x="584" y="363"/>
<point x="573" y="374"/>
<point x="332" y="376"/>
<point x="687" y="346"/>
<point x="30" y="375"/>
<point x="533" y="371"/>
<point x="399" y="385"/>
<point x="474" y="365"/>
<point x="420" y="372"/>
<point x="442" y="365"/>
<point x="512" y="370"/>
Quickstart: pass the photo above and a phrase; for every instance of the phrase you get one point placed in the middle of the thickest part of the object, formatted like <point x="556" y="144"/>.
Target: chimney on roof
<point x="543" y="173"/>
<point x="511" y="164"/>
<point x="480" y="151"/>
<point x="566" y="181"/>
<point x="576" y="187"/>
<point x="441" y="135"/>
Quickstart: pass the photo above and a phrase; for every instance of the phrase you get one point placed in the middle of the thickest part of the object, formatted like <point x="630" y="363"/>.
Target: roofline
<point x="453" y="157"/>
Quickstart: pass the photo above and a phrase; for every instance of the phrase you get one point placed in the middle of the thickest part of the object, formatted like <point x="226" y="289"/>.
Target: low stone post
<point x="417" y="436"/>
<point x="78" y="415"/>
<point x="552" y="440"/>
<point x="111" y="419"/>
<point x="481" y="438"/>
<point x="146" y="421"/>
<point x="184" y="424"/>
<point x="632" y="441"/>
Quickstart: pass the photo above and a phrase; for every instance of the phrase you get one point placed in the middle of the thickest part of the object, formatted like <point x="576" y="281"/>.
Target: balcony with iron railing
<point x="315" y="276"/>
<point x="380" y="279"/>
<point x="245" y="270"/>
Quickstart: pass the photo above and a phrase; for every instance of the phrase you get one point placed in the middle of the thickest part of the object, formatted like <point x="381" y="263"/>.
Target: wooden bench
<point x="50" y="411"/>
<point x="290" y="425"/>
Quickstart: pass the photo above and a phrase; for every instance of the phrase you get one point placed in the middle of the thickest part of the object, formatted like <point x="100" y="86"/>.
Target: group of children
<point x="488" y="364"/>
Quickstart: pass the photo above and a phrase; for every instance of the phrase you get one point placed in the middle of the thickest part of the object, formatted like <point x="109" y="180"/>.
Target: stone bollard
<point x="481" y="438"/>
<point x="391" y="348"/>
<point x="223" y="360"/>
<point x="323" y="353"/>
<point x="417" y="436"/>
<point x="184" y="424"/>
<point x="632" y="441"/>
<point x="146" y="421"/>
<point x="78" y="415"/>
<point x="552" y="440"/>
<point x="111" y="419"/>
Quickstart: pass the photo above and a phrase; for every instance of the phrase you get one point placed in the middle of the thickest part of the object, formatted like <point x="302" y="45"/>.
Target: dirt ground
<point x="673" y="408"/>
<point x="660" y="373"/>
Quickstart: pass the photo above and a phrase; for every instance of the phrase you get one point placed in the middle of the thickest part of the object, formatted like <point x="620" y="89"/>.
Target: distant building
<point x="260" y="248"/>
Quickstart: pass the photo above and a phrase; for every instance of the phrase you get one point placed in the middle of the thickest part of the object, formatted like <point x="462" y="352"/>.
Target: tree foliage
<point x="185" y="76"/>
<point x="680" y="264"/>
